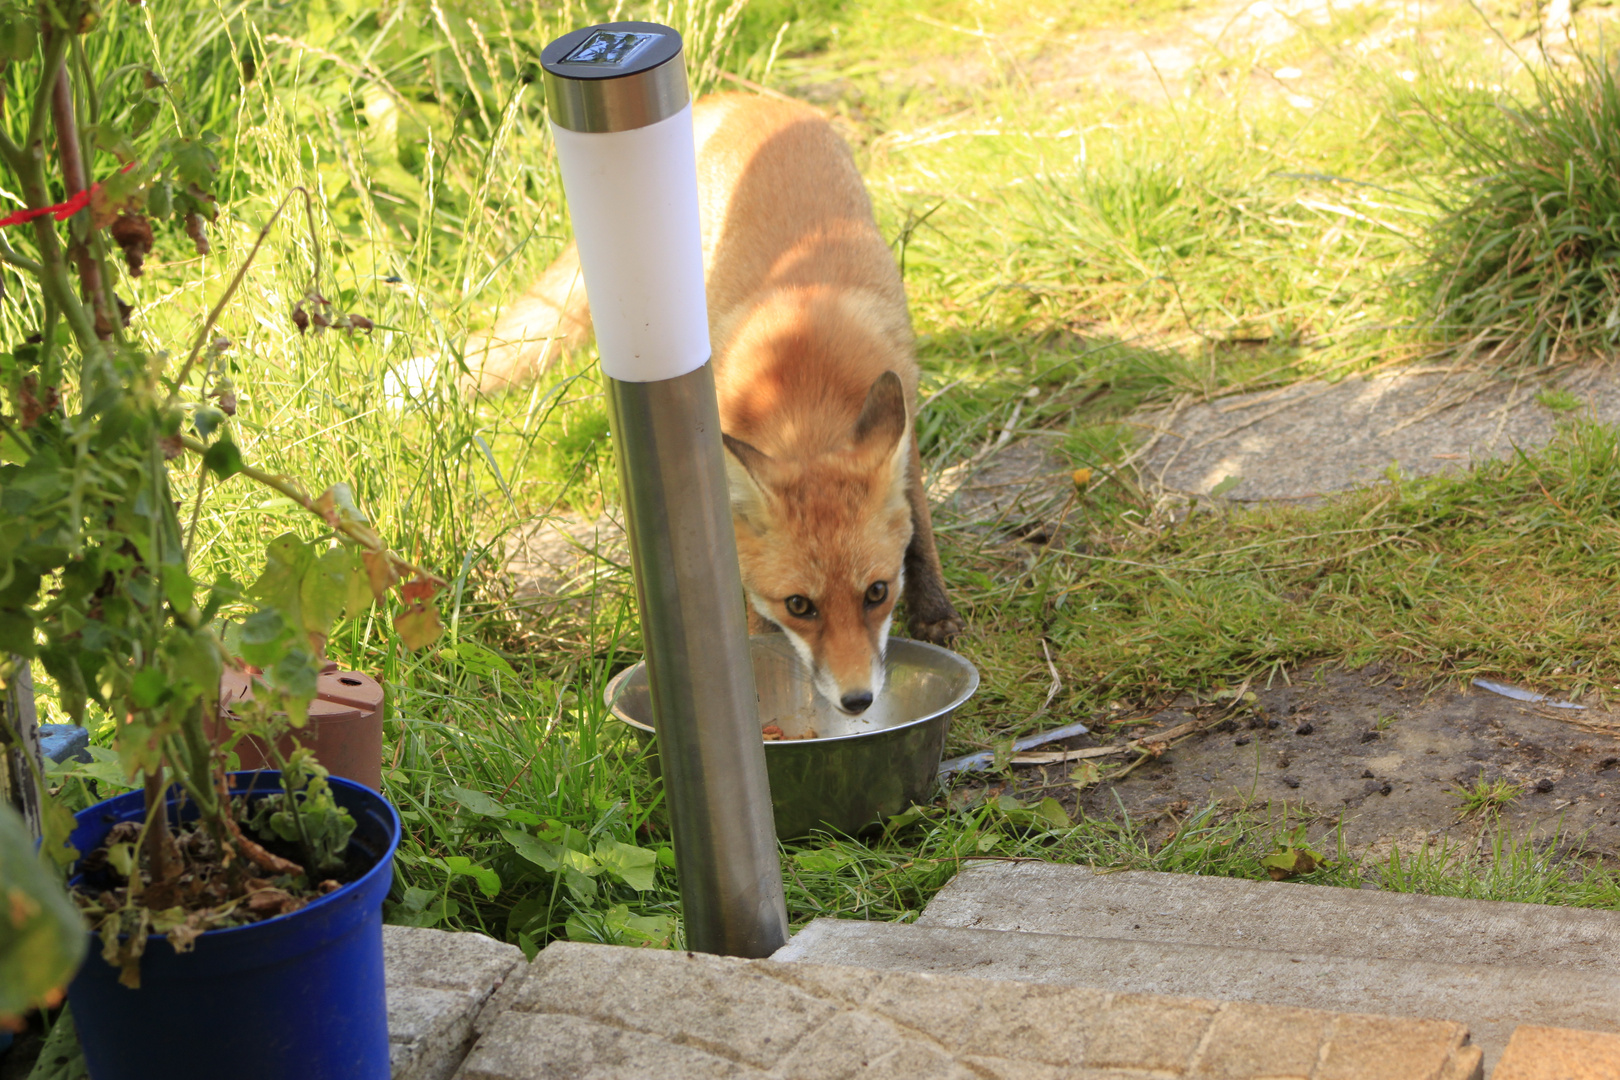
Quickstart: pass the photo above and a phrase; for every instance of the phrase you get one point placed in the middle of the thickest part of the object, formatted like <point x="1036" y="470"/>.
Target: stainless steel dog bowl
<point x="858" y="769"/>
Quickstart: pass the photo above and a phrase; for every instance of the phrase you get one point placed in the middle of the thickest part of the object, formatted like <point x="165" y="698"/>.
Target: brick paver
<point x="1547" y="1053"/>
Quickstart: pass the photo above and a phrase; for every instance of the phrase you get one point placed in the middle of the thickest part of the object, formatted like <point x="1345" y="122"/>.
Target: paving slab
<point x="1543" y="1053"/>
<point x="1285" y="916"/>
<point x="1314" y="437"/>
<point x="439" y="984"/>
<point x="1491" y="999"/>
<point x="606" y="1013"/>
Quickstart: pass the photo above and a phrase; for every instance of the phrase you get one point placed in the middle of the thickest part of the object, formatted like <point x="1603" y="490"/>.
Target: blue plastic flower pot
<point x="296" y="997"/>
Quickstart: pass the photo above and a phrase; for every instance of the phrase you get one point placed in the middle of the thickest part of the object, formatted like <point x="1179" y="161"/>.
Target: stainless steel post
<point x="620" y="109"/>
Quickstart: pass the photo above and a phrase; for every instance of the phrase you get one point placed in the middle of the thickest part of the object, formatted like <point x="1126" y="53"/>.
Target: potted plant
<point x="235" y="919"/>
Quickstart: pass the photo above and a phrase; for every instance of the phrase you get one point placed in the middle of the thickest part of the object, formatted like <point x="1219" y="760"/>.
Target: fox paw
<point x="939" y="631"/>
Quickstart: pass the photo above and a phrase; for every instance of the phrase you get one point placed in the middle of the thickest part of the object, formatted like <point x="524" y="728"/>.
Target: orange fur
<point x="807" y="317"/>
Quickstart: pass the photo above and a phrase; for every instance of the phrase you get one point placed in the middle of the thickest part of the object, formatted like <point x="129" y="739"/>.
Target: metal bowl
<point x="855" y="770"/>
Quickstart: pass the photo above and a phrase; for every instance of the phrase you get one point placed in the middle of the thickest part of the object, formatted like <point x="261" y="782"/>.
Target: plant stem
<point x="364" y="537"/>
<point x="236" y="283"/>
<point x="74" y="178"/>
<point x="14" y="258"/>
<point x="27" y="162"/>
<point x="157" y="837"/>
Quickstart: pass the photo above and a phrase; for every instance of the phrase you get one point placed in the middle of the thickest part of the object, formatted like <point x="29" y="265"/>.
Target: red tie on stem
<point x="62" y="210"/>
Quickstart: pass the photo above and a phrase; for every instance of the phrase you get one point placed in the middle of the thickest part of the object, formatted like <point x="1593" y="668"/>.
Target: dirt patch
<point x="1387" y="754"/>
<point x="563" y="555"/>
<point x="1025" y="483"/>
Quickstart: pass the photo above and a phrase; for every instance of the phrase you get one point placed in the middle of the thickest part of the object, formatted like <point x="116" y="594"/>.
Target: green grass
<point x="1107" y="249"/>
<point x="1522" y="267"/>
<point x="1510" y="571"/>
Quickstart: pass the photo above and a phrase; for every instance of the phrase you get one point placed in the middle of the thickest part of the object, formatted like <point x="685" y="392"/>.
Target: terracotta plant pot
<point x="344" y="729"/>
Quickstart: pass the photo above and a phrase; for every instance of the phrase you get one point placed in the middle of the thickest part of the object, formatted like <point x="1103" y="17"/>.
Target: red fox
<point x="816" y="378"/>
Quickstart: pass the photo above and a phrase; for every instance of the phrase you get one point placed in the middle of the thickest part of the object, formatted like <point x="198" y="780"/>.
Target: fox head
<point x="822" y="543"/>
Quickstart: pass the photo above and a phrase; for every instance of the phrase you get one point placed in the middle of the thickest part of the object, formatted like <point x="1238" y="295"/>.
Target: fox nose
<point x="856" y="701"/>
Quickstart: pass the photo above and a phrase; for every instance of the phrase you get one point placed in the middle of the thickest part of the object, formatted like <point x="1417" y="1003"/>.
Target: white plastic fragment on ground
<point x="983" y="760"/>
<point x="1520" y="694"/>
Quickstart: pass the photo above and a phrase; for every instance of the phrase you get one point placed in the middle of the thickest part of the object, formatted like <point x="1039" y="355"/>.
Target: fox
<point x="816" y="376"/>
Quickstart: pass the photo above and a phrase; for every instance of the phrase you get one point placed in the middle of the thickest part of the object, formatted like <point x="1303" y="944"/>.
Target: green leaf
<point x="826" y="861"/>
<point x="178" y="588"/>
<point x="324" y="590"/>
<point x="259" y="635"/>
<point x="900" y="821"/>
<point x="17" y="632"/>
<point x="286" y="559"/>
<point x="206" y="419"/>
<point x="357" y="596"/>
<point x="477" y="802"/>
<point x="617" y="926"/>
<point x="636" y="867"/>
<point x="194" y="163"/>
<point x="481" y="660"/>
<point x="223" y="459"/>
<point x="1226" y="484"/>
<point x="193" y="657"/>
<point x="546" y="856"/>
<point x="42" y="937"/>
<point x="295" y="674"/>
<point x="489" y="882"/>
<point x="19" y="31"/>
<point x="103" y="768"/>
<point x="1290" y="861"/>
<point x="1051" y="811"/>
<point x="149" y="687"/>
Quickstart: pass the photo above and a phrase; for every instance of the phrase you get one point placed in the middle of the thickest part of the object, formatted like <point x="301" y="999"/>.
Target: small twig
<point x="241" y="273"/>
<point x="196" y="510"/>
<point x="749" y="84"/>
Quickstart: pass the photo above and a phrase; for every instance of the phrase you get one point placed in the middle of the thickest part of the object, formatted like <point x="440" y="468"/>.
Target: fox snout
<point x="853" y="684"/>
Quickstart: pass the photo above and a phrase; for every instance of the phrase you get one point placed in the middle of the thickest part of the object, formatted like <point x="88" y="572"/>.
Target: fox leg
<point x="929" y="614"/>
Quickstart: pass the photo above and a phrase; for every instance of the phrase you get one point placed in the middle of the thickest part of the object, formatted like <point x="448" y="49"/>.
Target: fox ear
<point x="882" y="431"/>
<point x="744" y="468"/>
<point x="882" y="423"/>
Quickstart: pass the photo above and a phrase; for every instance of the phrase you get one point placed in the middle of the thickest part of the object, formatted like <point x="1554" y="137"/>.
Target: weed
<point x="1559" y="400"/>
<point x="1522" y="266"/>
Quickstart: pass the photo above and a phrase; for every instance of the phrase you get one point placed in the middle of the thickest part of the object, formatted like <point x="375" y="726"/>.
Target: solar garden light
<point x="621" y="117"/>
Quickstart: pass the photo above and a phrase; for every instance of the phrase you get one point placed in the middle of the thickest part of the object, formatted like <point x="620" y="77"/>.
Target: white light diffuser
<point x="633" y="199"/>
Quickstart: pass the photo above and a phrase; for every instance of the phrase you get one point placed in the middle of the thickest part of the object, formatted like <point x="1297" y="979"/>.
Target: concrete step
<point x="1191" y="910"/>
<point x="1491" y="999"/>
<point x="439" y="985"/>
<point x="1491" y="966"/>
<point x="596" y="1012"/>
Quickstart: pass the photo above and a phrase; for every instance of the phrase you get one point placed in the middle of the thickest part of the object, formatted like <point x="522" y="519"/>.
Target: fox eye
<point x="800" y="607"/>
<point x="876" y="593"/>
